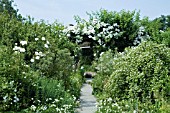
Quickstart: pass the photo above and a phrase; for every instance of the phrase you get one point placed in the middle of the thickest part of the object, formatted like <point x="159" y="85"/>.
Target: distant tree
<point x="8" y="6"/>
<point x="165" y="22"/>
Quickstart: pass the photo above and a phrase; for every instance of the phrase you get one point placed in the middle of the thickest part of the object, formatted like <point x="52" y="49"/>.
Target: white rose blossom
<point x="23" y="42"/>
<point x="43" y="38"/>
<point x="32" y="60"/>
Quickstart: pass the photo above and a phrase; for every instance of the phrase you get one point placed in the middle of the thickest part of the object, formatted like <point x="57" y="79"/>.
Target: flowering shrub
<point x="31" y="55"/>
<point x="140" y="76"/>
<point x="103" y="67"/>
<point x="127" y="106"/>
<point x="106" y="30"/>
<point x="145" y="72"/>
<point x="18" y="82"/>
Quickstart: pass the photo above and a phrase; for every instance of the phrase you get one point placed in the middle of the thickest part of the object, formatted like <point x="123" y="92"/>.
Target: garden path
<point x="87" y="100"/>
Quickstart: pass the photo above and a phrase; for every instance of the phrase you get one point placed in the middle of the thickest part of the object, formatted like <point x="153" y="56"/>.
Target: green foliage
<point x="140" y="76"/>
<point x="107" y="30"/>
<point x="128" y="24"/>
<point x="158" y="29"/>
<point x="76" y="84"/>
<point x="103" y="67"/>
<point x="165" y="38"/>
<point x="18" y="82"/>
<point x="130" y="106"/>
<point x="165" y="22"/>
<point x="7" y="6"/>
<point x="141" y="73"/>
<point x="36" y="67"/>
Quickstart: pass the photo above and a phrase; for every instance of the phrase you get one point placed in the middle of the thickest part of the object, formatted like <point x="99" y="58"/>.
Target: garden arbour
<point x="107" y="30"/>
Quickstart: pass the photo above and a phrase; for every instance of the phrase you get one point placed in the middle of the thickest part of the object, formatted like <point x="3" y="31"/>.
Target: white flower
<point x="32" y="60"/>
<point x="85" y="30"/>
<point x="48" y="42"/>
<point x="94" y="38"/>
<point x="115" y="24"/>
<point x="99" y="41"/>
<point x="43" y="38"/>
<point x="68" y="35"/>
<point x="23" y="42"/>
<point x="118" y="30"/>
<point x="16" y="48"/>
<point x="37" y="57"/>
<point x="52" y="105"/>
<point x="11" y="82"/>
<point x="134" y="111"/>
<point x="114" y="104"/>
<point x="103" y="24"/>
<point x="70" y="28"/>
<point x="5" y="98"/>
<point x="33" y="107"/>
<point x="39" y="53"/>
<point x="104" y="29"/>
<point x="16" y="44"/>
<point x="15" y="90"/>
<point x="57" y="109"/>
<point x="92" y="31"/>
<point x="45" y="107"/>
<point x="95" y="21"/>
<point x="110" y="27"/>
<point x="90" y="36"/>
<point x="116" y="34"/>
<point x="22" y="50"/>
<point x="56" y="100"/>
<point x="36" y="53"/>
<point x="110" y="99"/>
<point x="45" y="45"/>
<point x="26" y="65"/>
<point x="82" y="67"/>
<point x="16" y="99"/>
<point x="101" y="53"/>
<point x="36" y="39"/>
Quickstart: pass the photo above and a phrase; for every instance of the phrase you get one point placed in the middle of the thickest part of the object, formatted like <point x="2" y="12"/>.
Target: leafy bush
<point x="164" y="38"/>
<point x="129" y="106"/>
<point x="31" y="54"/>
<point x="142" y="73"/>
<point x="103" y="66"/>
<point x="18" y="82"/>
<point x="140" y="79"/>
<point x="51" y="94"/>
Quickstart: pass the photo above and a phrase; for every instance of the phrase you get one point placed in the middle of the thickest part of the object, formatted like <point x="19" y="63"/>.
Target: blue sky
<point x="64" y="10"/>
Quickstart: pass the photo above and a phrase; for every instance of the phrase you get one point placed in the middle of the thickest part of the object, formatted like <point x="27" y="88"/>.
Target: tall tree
<point x="8" y="6"/>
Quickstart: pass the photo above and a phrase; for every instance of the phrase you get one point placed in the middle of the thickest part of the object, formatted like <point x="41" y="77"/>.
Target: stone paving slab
<point x="87" y="100"/>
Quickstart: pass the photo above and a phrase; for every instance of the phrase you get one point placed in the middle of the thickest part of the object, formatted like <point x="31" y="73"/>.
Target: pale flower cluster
<point x="141" y="36"/>
<point x="19" y="49"/>
<point x="23" y="42"/>
<point x="91" y="29"/>
<point x="39" y="54"/>
<point x="54" y="104"/>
